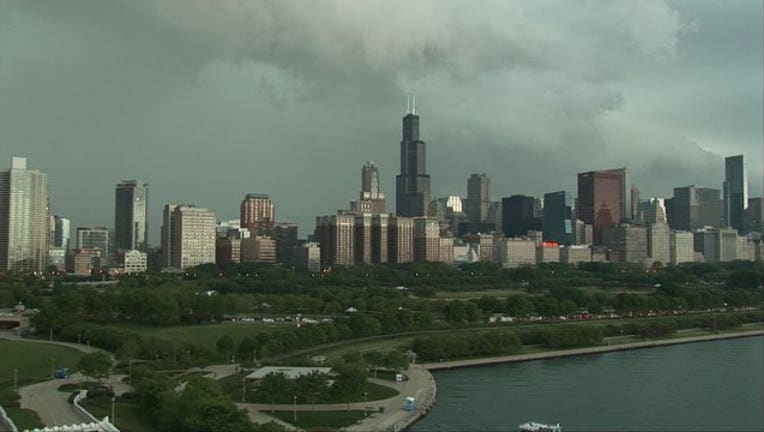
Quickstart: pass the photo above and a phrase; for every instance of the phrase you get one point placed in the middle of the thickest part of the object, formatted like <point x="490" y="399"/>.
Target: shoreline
<point x="456" y="364"/>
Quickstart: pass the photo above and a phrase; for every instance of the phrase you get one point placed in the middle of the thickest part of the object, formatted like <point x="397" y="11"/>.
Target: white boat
<point x="539" y="427"/>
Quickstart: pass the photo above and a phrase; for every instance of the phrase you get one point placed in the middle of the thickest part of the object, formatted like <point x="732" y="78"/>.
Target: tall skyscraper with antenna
<point x="412" y="185"/>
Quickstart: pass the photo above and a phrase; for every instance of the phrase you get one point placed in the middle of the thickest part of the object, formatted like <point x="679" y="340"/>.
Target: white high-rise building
<point x="681" y="247"/>
<point x="188" y="236"/>
<point x="24" y="224"/>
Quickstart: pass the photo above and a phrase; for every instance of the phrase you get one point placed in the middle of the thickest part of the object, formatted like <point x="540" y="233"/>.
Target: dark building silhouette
<point x="694" y="207"/>
<point x="130" y="226"/>
<point x="599" y="200"/>
<point x="753" y="215"/>
<point x="735" y="192"/>
<point x="285" y="236"/>
<point x="412" y="185"/>
<point x="478" y="198"/>
<point x="518" y="215"/>
<point x="557" y="217"/>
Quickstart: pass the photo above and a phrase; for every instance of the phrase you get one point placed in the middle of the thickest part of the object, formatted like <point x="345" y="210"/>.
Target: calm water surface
<point x="709" y="386"/>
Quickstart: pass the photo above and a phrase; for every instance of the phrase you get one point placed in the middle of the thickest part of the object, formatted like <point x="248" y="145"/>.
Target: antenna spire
<point x="413" y="103"/>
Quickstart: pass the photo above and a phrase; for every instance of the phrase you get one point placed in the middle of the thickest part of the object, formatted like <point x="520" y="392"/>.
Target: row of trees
<point x="465" y="345"/>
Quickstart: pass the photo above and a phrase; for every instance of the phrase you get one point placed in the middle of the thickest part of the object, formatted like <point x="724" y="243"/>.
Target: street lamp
<point x="113" y="411"/>
<point x="15" y="380"/>
<point x="244" y="390"/>
<point x="294" y="401"/>
<point x="365" y="402"/>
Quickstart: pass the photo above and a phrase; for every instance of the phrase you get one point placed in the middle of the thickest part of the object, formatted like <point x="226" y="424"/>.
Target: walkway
<point x="53" y="406"/>
<point x="420" y="385"/>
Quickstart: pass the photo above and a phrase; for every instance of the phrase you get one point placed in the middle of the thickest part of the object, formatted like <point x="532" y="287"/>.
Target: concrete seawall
<point x="585" y="351"/>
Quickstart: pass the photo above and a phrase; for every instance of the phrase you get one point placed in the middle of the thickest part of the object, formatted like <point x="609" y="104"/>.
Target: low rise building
<point x="575" y="254"/>
<point x="515" y="252"/>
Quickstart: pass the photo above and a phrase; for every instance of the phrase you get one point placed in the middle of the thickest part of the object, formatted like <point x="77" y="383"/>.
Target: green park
<point x="168" y="337"/>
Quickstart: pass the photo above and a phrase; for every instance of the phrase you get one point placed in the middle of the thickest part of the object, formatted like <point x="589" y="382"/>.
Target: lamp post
<point x="294" y="401"/>
<point x="113" y="411"/>
<point x="365" y="402"/>
<point x="52" y="367"/>
<point x="244" y="390"/>
<point x="15" y="380"/>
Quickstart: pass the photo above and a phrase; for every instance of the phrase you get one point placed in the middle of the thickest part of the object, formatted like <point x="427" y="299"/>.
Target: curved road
<point x="420" y="385"/>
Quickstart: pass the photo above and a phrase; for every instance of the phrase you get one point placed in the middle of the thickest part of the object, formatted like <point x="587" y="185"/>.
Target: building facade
<point x="335" y="235"/>
<point x="626" y="243"/>
<point x="557" y="221"/>
<point x="681" y="249"/>
<point x="259" y="249"/>
<point x="371" y="199"/>
<point x="190" y="236"/>
<point x="426" y="239"/>
<point x="515" y="252"/>
<point x="130" y="216"/>
<point x="258" y="214"/>
<point x="97" y="238"/>
<point x="479" y="198"/>
<point x="735" y="192"/>
<point x="24" y="224"/>
<point x="694" y="207"/>
<point x="599" y="201"/>
<point x="518" y="215"/>
<point x="400" y="240"/>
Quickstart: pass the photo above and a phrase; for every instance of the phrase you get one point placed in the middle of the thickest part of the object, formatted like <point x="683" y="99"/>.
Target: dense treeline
<point x="465" y="345"/>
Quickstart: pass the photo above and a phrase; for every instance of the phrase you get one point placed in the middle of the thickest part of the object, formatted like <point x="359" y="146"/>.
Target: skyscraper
<point x="131" y="206"/>
<point x="188" y="236"/>
<point x="478" y="198"/>
<point x="694" y="207"/>
<point x="628" y="193"/>
<point x="24" y="224"/>
<point x="518" y="215"/>
<point x="557" y="220"/>
<point x="371" y="200"/>
<point x="335" y="234"/>
<point x="60" y="232"/>
<point x="599" y="200"/>
<point x="96" y="238"/>
<point x="258" y="214"/>
<point x="735" y="192"/>
<point x="412" y="185"/>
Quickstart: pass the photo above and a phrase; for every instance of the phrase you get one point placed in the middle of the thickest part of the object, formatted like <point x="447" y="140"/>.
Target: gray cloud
<point x="209" y="100"/>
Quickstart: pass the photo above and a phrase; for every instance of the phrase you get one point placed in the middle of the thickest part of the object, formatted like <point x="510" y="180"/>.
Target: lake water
<point x="708" y="386"/>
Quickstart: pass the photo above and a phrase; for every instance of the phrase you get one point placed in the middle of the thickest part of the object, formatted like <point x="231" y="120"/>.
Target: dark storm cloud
<point x="209" y="100"/>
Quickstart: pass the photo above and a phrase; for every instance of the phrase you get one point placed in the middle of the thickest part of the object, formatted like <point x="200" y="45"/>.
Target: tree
<point x="95" y="365"/>
<point x="128" y="350"/>
<point x="226" y="345"/>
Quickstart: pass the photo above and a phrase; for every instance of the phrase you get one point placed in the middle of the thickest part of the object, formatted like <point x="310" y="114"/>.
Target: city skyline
<point x="240" y="116"/>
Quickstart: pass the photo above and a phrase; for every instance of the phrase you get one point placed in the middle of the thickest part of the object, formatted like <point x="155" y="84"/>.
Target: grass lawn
<point x="468" y="295"/>
<point x="24" y="418"/>
<point x="33" y="361"/>
<point x="204" y="335"/>
<point x="129" y="416"/>
<point x="320" y="420"/>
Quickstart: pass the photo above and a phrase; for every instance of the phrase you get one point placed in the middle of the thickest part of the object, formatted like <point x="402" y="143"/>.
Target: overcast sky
<point x="209" y="100"/>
